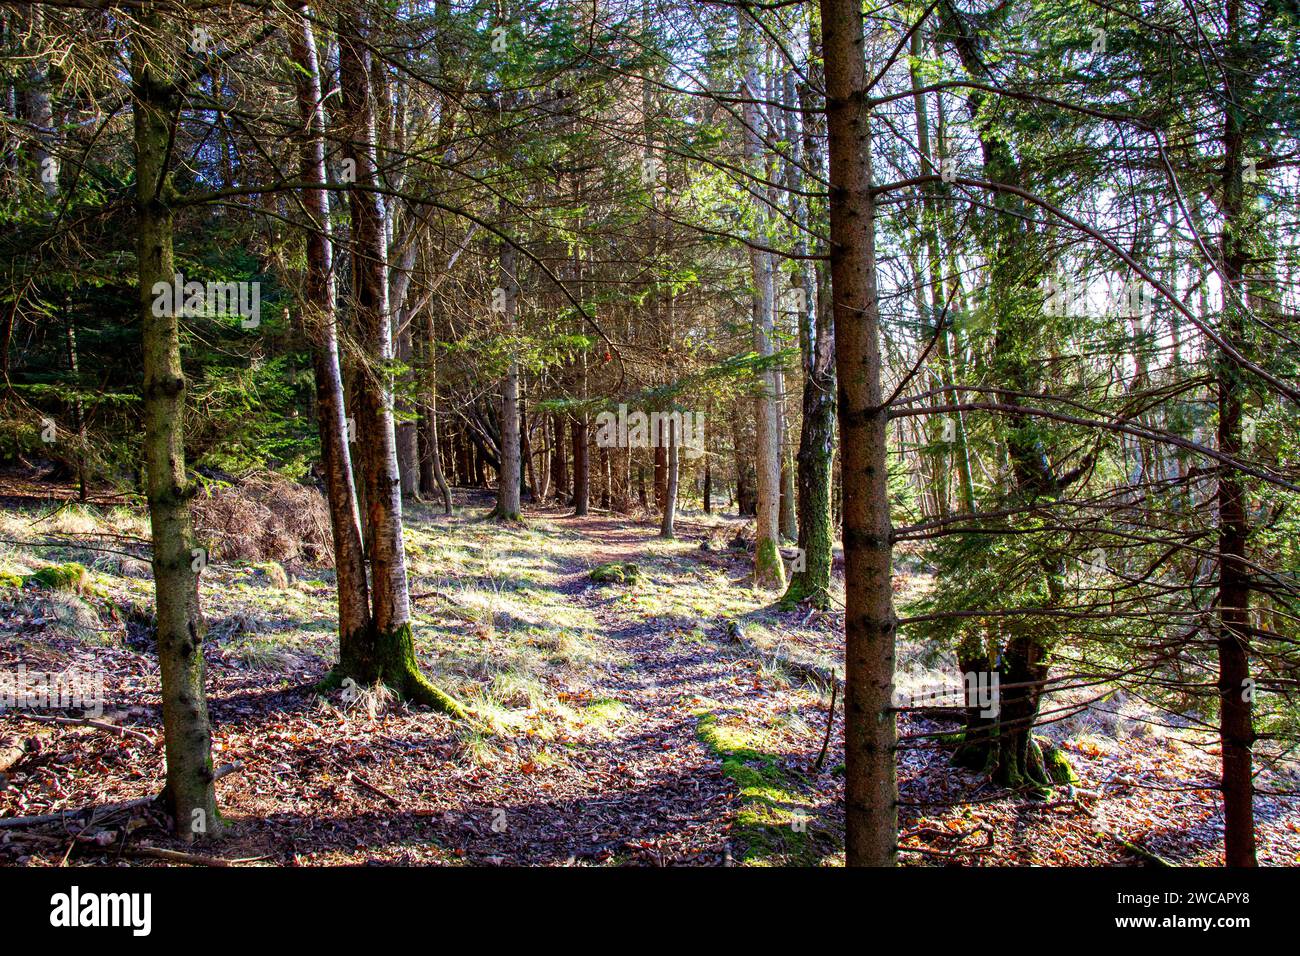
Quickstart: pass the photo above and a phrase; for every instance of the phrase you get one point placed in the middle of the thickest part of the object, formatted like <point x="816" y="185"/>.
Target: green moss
<point x="775" y="825"/>
<point x="61" y="577"/>
<point x="801" y="589"/>
<point x="769" y="570"/>
<point x="1057" y="765"/>
<point x="616" y="573"/>
<point x="389" y="658"/>
<point x="10" y="579"/>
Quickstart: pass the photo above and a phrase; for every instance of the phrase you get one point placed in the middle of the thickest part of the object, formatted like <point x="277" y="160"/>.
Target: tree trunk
<point x="388" y="652"/>
<point x="622" y="480"/>
<point x="1236" y="724"/>
<point x="177" y="558"/>
<point x="536" y="492"/>
<point x="938" y="288"/>
<point x="670" y="492"/>
<point x="746" y="501"/>
<point x="581" y="469"/>
<point x="508" y="492"/>
<point x="407" y="432"/>
<point x="432" y="479"/>
<point x="788" y="520"/>
<point x="320" y="321"/>
<point x="816" y="456"/>
<point x="707" y="493"/>
<point x="559" y="458"/>
<point x="870" y="735"/>
<point x="769" y="572"/>
<point x="661" y="467"/>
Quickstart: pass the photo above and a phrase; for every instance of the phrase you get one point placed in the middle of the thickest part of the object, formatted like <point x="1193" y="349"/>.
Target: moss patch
<point x="605" y="708"/>
<point x="61" y="577"/>
<point x="776" y="824"/>
<point x="1057" y="764"/>
<point x="615" y="573"/>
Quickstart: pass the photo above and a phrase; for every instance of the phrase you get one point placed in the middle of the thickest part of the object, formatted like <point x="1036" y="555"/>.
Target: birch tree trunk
<point x="768" y="570"/>
<point x="507" y="506"/>
<point x="666" y="529"/>
<point x="320" y="320"/>
<point x="388" y="653"/>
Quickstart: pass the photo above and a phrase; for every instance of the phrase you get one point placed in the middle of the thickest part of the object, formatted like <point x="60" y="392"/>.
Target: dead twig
<point x="830" y="719"/>
<point x="144" y="850"/>
<point x="367" y="785"/>
<point x="985" y="847"/>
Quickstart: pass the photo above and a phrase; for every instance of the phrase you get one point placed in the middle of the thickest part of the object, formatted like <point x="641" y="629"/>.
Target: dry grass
<point x="265" y="518"/>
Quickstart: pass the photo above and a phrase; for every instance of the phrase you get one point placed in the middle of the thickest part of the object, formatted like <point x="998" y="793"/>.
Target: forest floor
<point x="675" y="720"/>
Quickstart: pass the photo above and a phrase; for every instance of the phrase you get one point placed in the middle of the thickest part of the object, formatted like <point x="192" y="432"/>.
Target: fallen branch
<point x="175" y="856"/>
<point x="111" y="808"/>
<point x="146" y="851"/>
<point x="226" y="770"/>
<point x="367" y="785"/>
<point x="985" y="847"/>
<point x="926" y="851"/>
<point x="1154" y="859"/>
<point x="63" y="815"/>
<point x="86" y="722"/>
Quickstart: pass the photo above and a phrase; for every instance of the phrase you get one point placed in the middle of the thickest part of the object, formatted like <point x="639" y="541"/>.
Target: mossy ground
<point x="614" y="573"/>
<point x="778" y="822"/>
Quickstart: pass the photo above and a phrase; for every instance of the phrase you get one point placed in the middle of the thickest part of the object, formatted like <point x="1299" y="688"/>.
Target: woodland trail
<point x="596" y="758"/>
<point x="649" y="790"/>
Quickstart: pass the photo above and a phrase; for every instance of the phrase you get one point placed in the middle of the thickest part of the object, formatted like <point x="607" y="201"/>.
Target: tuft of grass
<point x="606" y="709"/>
<point x="69" y="617"/>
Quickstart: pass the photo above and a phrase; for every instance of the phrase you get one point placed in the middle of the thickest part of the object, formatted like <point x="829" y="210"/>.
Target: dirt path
<point x="648" y="792"/>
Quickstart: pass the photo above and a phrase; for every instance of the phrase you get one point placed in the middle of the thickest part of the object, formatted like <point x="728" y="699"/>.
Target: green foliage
<point x="252" y="418"/>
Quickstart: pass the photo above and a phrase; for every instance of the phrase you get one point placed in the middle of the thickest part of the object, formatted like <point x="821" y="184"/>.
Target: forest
<point x="649" y="433"/>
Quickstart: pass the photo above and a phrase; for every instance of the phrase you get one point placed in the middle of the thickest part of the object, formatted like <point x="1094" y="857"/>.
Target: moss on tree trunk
<point x="389" y="659"/>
